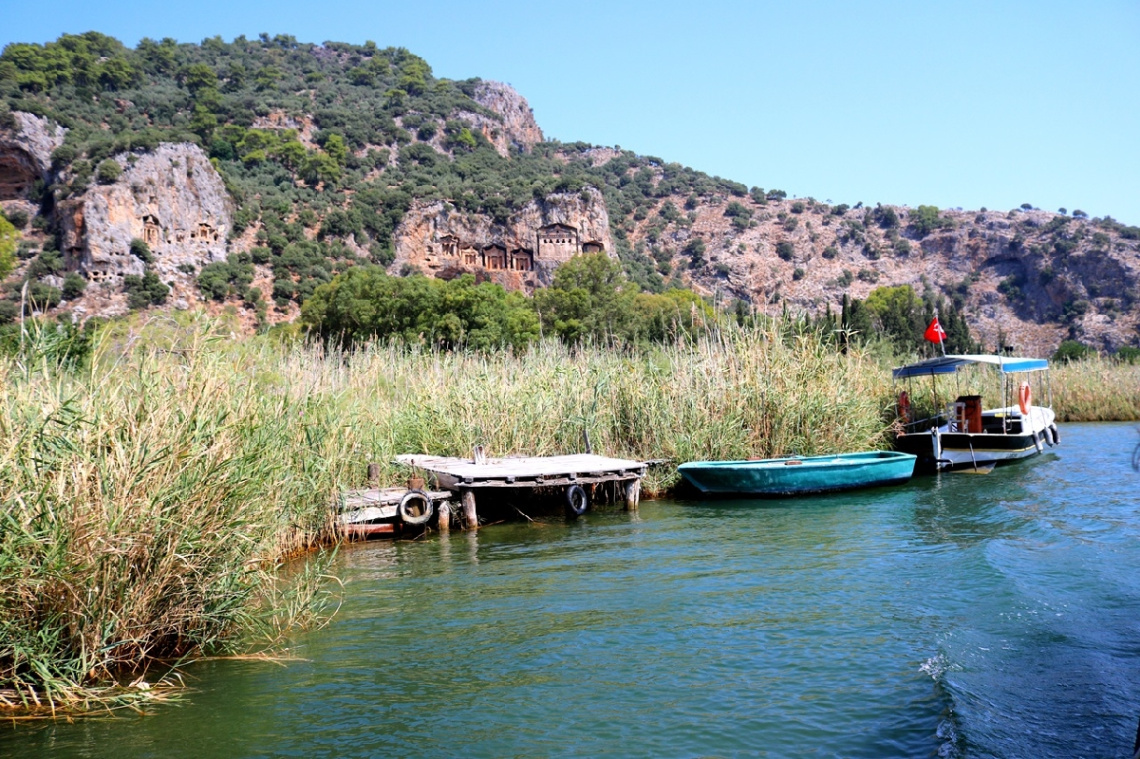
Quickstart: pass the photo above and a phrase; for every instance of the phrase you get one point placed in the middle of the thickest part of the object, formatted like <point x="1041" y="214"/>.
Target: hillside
<point x="248" y="173"/>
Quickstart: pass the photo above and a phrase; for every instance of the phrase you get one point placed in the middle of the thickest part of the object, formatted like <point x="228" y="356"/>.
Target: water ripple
<point x="959" y="616"/>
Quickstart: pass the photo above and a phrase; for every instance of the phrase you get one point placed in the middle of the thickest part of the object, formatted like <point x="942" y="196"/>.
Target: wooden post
<point x="469" y="513"/>
<point x="632" y="494"/>
<point x="373" y="473"/>
<point x="443" y="516"/>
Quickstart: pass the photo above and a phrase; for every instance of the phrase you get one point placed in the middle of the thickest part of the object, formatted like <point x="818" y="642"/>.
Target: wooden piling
<point x="469" y="513"/>
<point x="443" y="516"/>
<point x="632" y="494"/>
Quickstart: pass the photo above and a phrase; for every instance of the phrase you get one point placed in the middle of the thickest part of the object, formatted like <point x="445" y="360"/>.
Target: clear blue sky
<point x="951" y="103"/>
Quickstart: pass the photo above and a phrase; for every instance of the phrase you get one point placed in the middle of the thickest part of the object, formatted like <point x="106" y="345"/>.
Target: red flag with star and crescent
<point x="934" y="333"/>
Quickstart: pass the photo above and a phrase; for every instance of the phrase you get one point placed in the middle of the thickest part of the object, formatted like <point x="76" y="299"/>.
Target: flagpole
<point x="941" y="333"/>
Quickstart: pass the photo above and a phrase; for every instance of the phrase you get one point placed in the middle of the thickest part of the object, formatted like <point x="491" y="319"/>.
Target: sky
<point x="956" y="104"/>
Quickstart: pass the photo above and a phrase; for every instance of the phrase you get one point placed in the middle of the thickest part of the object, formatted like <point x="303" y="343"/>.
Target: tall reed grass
<point x="148" y="498"/>
<point x="1096" y="390"/>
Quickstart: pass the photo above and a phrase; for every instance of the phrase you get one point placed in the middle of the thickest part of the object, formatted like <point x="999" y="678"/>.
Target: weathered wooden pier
<point x="382" y="511"/>
<point x="580" y="478"/>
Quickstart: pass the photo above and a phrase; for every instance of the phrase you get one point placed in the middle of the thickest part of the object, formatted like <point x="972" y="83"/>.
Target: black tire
<point x="576" y="501"/>
<point x="415" y="508"/>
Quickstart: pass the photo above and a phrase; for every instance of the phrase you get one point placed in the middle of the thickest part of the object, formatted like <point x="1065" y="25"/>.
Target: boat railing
<point x="924" y="425"/>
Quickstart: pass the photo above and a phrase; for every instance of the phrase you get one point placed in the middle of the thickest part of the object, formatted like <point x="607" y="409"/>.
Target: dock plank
<point x="568" y="468"/>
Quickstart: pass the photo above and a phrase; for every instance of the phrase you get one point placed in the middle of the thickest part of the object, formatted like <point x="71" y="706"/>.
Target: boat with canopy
<point x="961" y="433"/>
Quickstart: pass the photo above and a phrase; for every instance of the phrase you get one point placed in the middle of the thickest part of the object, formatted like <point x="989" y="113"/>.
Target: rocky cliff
<point x="26" y="145"/>
<point x="520" y="253"/>
<point x="517" y="130"/>
<point x="1025" y="278"/>
<point x="171" y="198"/>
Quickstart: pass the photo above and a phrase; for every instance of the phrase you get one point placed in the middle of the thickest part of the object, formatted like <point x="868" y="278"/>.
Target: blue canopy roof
<point x="951" y="364"/>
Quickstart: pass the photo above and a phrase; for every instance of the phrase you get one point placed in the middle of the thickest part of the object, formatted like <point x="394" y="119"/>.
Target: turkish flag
<point x="934" y="333"/>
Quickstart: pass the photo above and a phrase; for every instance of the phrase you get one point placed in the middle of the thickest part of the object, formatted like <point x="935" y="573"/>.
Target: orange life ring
<point x="1024" y="398"/>
<point x="904" y="407"/>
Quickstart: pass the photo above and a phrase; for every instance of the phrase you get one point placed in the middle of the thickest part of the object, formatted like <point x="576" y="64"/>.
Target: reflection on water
<point x="960" y="615"/>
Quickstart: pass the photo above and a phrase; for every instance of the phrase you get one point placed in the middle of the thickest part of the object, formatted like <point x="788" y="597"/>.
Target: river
<point x="959" y="615"/>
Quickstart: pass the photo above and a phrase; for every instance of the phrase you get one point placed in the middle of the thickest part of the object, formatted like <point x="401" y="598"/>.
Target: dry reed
<point x="147" y="501"/>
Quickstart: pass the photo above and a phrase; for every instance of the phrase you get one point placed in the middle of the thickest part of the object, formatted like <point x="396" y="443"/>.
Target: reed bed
<point x="149" y="498"/>
<point x="1096" y="390"/>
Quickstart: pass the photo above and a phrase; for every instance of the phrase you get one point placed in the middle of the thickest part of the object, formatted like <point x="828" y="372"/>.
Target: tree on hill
<point x="926" y="219"/>
<point x="898" y="315"/>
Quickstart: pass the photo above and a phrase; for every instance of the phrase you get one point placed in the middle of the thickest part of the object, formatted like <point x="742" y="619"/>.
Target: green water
<point x="960" y="615"/>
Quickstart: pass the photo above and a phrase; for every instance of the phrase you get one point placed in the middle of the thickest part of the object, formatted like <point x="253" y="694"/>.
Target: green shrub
<point x="144" y="291"/>
<point x="926" y="219"/>
<point x="46" y="263"/>
<point x="17" y="217"/>
<point x="42" y="296"/>
<point x="108" y="171"/>
<point x="885" y="216"/>
<point x="73" y="285"/>
<point x="695" y="250"/>
<point x="140" y="250"/>
<point x="1073" y="350"/>
<point x="1127" y="354"/>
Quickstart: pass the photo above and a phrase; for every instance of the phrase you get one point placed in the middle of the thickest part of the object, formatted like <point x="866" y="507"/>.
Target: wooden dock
<point x="377" y="511"/>
<point x="380" y="511"/>
<point x="466" y="476"/>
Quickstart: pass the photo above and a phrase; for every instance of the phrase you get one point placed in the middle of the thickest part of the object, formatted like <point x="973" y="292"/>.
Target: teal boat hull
<point x="798" y="475"/>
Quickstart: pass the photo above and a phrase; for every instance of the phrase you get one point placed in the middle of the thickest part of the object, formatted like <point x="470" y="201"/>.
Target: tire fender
<point x="576" y="501"/>
<point x="415" y="508"/>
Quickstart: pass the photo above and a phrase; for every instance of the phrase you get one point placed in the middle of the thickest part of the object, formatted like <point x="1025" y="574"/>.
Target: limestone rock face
<point x="520" y="254"/>
<point x="1025" y="279"/>
<point x="25" y="153"/>
<point x="518" y="128"/>
<point x="172" y="198"/>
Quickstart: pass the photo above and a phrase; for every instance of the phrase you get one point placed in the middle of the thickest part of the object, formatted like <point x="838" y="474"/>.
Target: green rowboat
<point x="797" y="475"/>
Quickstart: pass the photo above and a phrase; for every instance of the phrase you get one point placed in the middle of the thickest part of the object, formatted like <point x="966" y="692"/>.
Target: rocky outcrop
<point x="172" y="198"/>
<point x="517" y="128"/>
<point x="1025" y="279"/>
<point x="520" y="254"/>
<point x="25" y="153"/>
